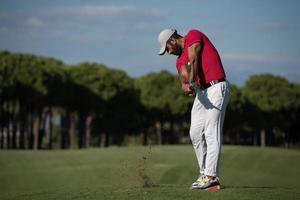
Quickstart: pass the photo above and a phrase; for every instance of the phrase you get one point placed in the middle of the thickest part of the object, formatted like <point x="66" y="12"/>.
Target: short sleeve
<point x="182" y="60"/>
<point x="192" y="37"/>
<point x="178" y="64"/>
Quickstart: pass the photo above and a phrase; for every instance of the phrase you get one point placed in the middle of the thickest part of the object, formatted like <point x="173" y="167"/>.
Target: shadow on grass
<point x="247" y="187"/>
<point x="223" y="186"/>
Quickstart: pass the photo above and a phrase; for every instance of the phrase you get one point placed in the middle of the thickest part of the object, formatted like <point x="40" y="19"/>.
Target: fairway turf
<point x="119" y="173"/>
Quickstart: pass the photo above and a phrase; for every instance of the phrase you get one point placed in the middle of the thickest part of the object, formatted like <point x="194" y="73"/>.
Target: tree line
<point x="47" y="104"/>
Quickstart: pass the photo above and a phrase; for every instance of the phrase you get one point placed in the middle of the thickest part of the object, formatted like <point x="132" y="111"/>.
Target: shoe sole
<point x="213" y="187"/>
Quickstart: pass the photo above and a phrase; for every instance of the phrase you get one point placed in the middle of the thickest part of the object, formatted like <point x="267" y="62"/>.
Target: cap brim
<point x="162" y="50"/>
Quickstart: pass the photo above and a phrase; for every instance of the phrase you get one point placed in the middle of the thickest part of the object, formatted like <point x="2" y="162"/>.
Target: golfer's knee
<point x="195" y="136"/>
<point x="193" y="133"/>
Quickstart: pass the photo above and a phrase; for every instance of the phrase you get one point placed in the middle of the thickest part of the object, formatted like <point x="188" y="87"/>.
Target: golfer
<point x="202" y="75"/>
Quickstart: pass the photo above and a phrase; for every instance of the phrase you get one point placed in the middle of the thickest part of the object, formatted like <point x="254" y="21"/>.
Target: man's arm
<point x="184" y="80"/>
<point x="194" y="57"/>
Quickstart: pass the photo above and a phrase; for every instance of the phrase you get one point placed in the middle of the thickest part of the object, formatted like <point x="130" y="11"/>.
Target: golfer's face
<point x="173" y="48"/>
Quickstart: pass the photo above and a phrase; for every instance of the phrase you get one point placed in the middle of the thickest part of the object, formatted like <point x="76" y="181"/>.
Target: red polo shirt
<point x="210" y="66"/>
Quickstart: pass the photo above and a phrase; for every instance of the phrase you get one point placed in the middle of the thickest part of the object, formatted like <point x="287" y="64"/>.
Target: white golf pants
<point x="207" y="117"/>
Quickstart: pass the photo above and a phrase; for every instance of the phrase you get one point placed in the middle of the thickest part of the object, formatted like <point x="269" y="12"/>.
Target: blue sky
<point x="252" y="37"/>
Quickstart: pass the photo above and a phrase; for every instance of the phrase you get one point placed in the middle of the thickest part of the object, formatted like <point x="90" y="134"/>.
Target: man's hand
<point x="184" y="80"/>
<point x="187" y="89"/>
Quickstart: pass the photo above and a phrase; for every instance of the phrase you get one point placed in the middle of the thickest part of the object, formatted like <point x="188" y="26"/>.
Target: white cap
<point x="163" y="38"/>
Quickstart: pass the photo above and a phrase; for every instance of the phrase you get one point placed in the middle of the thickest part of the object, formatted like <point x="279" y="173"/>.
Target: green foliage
<point x="295" y="101"/>
<point x="270" y="93"/>
<point x="100" y="80"/>
<point x="122" y="105"/>
<point x="162" y="91"/>
<point x="237" y="99"/>
<point x="28" y="79"/>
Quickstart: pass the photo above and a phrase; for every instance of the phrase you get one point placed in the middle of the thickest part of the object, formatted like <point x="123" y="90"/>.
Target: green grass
<point x="115" y="173"/>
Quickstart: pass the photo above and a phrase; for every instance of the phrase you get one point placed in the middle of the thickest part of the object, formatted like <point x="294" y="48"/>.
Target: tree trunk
<point x="30" y="131"/>
<point x="65" y="124"/>
<point x="237" y="138"/>
<point x="36" y="129"/>
<point x="50" y="130"/>
<point x="255" y="139"/>
<point x="14" y="131"/>
<point x="22" y="132"/>
<point x="262" y="138"/>
<point x="5" y="134"/>
<point x="142" y="138"/>
<point x="22" y="125"/>
<point x="1" y="137"/>
<point x="81" y="129"/>
<point x="8" y="135"/>
<point x="15" y="124"/>
<point x="1" y="124"/>
<point x="176" y="134"/>
<point x="72" y="128"/>
<point x="18" y="133"/>
<point x="47" y="125"/>
<point x="88" y="123"/>
<point x="106" y="140"/>
<point x="158" y="132"/>
<point x="102" y="139"/>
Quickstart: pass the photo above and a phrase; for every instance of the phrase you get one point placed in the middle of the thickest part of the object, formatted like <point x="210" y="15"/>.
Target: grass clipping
<point x="145" y="179"/>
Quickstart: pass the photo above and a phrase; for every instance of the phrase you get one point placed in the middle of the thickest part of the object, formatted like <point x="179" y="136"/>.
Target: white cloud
<point x="33" y="22"/>
<point x="96" y="11"/>
<point x="243" y="57"/>
<point x="268" y="26"/>
<point x="250" y="57"/>
<point x="96" y="23"/>
<point x="239" y="66"/>
<point x="103" y="11"/>
<point x="3" y="29"/>
<point x="147" y="26"/>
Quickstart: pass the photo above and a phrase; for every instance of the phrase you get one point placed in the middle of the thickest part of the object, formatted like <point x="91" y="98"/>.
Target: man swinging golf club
<point x="201" y="75"/>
